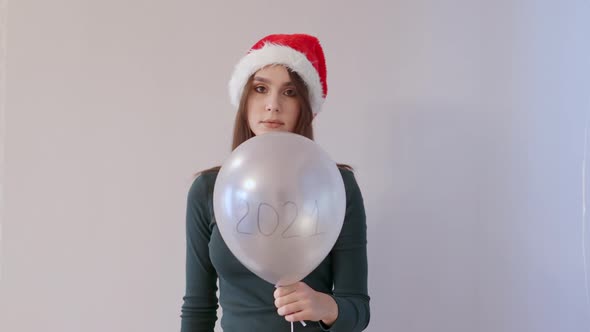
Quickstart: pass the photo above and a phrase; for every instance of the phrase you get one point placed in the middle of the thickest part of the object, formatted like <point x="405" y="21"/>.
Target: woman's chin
<point x="269" y="130"/>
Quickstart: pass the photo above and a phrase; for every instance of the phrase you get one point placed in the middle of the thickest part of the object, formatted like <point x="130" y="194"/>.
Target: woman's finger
<point x="290" y="309"/>
<point x="287" y="299"/>
<point x="298" y="316"/>
<point x="284" y="290"/>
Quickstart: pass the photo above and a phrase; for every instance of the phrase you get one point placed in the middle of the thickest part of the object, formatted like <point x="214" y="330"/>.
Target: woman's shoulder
<point x="209" y="171"/>
<point x="346" y="171"/>
<point x="204" y="181"/>
<point x="345" y="167"/>
<point x="350" y="184"/>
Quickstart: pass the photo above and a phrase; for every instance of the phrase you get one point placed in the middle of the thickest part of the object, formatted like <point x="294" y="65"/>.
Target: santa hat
<point x="301" y="53"/>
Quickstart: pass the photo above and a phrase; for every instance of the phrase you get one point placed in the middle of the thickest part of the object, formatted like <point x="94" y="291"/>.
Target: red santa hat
<point x="301" y="53"/>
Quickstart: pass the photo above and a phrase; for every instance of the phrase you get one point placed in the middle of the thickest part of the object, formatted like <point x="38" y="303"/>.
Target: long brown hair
<point x="242" y="131"/>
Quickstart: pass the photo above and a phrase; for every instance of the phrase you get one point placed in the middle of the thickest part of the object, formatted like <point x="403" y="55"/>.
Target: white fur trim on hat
<point x="276" y="54"/>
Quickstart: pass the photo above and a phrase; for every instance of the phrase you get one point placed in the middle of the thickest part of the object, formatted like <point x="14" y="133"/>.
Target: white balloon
<point x="279" y="203"/>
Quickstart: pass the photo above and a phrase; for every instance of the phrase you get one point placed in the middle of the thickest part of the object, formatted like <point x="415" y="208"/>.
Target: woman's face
<point x="272" y="105"/>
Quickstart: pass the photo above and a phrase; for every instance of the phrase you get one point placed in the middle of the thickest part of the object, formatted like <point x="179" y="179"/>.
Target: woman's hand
<point x="299" y="302"/>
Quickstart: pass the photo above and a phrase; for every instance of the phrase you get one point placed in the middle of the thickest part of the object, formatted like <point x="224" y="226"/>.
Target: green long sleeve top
<point x="247" y="301"/>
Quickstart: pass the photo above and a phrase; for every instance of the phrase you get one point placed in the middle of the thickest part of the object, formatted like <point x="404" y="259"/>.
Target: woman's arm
<point x="347" y="310"/>
<point x="199" y="311"/>
<point x="349" y="264"/>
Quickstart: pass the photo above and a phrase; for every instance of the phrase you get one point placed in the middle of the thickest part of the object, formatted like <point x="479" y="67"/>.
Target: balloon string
<point x="302" y="323"/>
<point x="584" y="221"/>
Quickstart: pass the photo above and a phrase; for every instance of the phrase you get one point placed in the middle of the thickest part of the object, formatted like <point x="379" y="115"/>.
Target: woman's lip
<point x="268" y="124"/>
<point x="275" y="122"/>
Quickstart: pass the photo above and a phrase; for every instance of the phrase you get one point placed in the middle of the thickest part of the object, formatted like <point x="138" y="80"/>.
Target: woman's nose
<point x="272" y="104"/>
<point x="271" y="107"/>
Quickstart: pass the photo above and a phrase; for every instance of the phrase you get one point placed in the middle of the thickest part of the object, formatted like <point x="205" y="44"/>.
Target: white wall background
<point x="466" y="122"/>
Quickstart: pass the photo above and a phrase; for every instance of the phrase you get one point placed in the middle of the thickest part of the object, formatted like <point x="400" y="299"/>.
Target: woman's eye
<point x="290" y="92"/>
<point x="260" y="89"/>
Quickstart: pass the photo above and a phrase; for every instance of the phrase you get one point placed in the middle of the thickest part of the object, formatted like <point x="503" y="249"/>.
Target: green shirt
<point x="247" y="301"/>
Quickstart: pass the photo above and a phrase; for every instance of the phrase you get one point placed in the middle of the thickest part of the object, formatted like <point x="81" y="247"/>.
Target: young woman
<point x="280" y="85"/>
